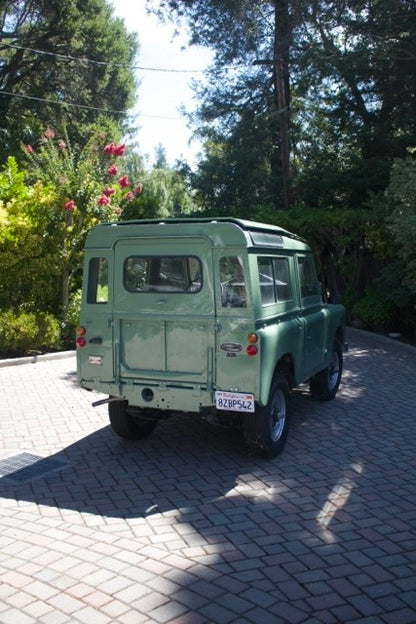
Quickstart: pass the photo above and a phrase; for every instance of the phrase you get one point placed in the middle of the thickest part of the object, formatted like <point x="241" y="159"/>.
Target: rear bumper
<point x="158" y="397"/>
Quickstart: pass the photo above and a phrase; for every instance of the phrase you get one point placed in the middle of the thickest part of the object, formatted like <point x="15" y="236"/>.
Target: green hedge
<point x="21" y="332"/>
<point x="377" y="312"/>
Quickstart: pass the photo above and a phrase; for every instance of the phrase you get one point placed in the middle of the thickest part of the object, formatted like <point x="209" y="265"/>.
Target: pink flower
<point x="119" y="150"/>
<point x="109" y="149"/>
<point x="123" y="181"/>
<point x="61" y="145"/>
<point x="103" y="200"/>
<point x="49" y="133"/>
<point x="28" y="149"/>
<point x="108" y="191"/>
<point x="114" y="150"/>
<point x="138" y="189"/>
<point x="129" y="196"/>
<point x="112" y="170"/>
<point x="69" y="206"/>
<point x="117" y="210"/>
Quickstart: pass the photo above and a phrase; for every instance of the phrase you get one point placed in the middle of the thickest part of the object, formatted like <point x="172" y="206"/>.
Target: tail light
<point x="80" y="341"/>
<point x="251" y="348"/>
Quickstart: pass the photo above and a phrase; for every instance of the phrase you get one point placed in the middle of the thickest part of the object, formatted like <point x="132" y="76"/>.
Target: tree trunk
<point x="282" y="42"/>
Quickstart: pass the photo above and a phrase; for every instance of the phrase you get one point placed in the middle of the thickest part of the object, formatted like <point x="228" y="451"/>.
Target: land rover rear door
<point x="164" y="311"/>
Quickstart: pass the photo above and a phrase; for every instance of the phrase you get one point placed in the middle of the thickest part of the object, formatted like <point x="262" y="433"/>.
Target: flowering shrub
<point x="88" y="187"/>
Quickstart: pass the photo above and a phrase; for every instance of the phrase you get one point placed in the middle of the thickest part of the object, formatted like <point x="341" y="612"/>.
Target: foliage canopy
<point x="349" y="76"/>
<point x="61" y="62"/>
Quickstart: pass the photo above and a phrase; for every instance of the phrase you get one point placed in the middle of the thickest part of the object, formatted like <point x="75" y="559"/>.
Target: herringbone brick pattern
<point x="185" y="527"/>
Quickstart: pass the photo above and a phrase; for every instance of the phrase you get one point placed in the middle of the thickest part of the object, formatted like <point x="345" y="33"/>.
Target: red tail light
<point x="252" y="349"/>
<point x="80" y="341"/>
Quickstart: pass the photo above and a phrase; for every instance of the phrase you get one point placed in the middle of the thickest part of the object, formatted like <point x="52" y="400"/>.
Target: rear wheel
<point x="325" y="384"/>
<point x="266" y="430"/>
<point x="128" y="422"/>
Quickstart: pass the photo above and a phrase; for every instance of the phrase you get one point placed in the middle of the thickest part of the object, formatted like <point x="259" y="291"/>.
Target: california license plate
<point x="234" y="401"/>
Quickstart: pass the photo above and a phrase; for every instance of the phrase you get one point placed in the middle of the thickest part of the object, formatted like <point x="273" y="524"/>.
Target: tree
<point x="401" y="195"/>
<point x="236" y="176"/>
<point x="236" y="91"/>
<point x="347" y="72"/>
<point x="165" y="193"/>
<point x="61" y="62"/>
<point x="353" y="69"/>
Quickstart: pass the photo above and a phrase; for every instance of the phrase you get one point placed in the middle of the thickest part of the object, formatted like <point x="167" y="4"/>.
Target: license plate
<point x="234" y="401"/>
<point x="95" y="360"/>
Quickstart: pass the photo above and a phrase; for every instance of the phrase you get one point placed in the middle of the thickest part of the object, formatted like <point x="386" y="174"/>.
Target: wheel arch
<point x="285" y="366"/>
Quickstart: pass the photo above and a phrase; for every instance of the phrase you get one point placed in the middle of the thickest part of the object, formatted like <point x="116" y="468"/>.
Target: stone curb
<point x="33" y="359"/>
<point x="351" y="331"/>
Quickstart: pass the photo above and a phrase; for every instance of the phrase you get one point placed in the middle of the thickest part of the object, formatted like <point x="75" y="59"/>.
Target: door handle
<point x="96" y="340"/>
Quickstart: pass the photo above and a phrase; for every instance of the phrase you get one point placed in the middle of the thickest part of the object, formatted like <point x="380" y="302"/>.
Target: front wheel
<point x="266" y="430"/>
<point x="324" y="385"/>
<point x="128" y="422"/>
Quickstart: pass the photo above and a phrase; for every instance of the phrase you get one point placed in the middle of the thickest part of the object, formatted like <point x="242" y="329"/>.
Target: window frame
<point x="95" y="265"/>
<point x="276" y="300"/>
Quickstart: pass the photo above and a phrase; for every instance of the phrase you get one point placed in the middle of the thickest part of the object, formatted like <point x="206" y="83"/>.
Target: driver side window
<point x="307" y="277"/>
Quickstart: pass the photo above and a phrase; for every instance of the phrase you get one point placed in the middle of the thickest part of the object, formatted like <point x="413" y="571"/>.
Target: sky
<point x="161" y="93"/>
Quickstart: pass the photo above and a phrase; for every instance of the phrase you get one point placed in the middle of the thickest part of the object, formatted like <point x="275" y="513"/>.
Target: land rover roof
<point x="222" y="231"/>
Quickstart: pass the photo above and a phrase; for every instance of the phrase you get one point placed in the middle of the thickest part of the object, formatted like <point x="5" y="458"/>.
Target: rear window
<point x="174" y="274"/>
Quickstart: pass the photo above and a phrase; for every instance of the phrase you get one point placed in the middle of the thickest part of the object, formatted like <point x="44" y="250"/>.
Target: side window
<point x="265" y="268"/>
<point x="307" y="277"/>
<point x="274" y="279"/>
<point x="97" y="291"/>
<point x="282" y="279"/>
<point x="233" y="285"/>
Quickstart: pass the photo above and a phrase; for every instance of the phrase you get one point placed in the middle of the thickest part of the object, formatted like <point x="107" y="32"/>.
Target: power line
<point x="111" y="64"/>
<point x="83" y="106"/>
<point x="93" y="62"/>
<point x="38" y="99"/>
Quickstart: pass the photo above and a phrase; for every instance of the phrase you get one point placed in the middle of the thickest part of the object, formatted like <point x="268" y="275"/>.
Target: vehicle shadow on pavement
<point x="184" y="463"/>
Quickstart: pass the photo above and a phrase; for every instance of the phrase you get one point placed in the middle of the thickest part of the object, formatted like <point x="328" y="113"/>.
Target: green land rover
<point x="216" y="317"/>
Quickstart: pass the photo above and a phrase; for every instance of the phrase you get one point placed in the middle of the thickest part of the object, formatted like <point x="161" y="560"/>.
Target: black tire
<point x="127" y="422"/>
<point x="266" y="430"/>
<point x="324" y="385"/>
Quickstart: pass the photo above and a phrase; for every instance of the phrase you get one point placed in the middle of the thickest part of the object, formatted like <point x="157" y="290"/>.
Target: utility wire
<point x="103" y="110"/>
<point x="91" y="61"/>
<point x="110" y="64"/>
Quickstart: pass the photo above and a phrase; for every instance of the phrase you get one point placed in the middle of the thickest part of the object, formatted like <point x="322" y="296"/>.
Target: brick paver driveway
<point x="185" y="527"/>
